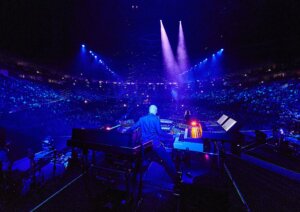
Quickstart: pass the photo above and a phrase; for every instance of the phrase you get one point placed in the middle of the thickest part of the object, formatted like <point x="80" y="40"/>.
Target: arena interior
<point x="77" y="76"/>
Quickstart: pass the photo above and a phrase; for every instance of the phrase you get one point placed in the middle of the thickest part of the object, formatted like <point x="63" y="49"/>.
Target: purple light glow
<point x="168" y="56"/>
<point x="206" y="156"/>
<point x="181" y="51"/>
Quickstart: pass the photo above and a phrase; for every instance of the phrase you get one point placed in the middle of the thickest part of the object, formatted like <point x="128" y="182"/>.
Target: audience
<point x="43" y="108"/>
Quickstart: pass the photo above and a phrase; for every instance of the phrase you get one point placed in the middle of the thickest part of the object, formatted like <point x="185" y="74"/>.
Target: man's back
<point x="151" y="130"/>
<point x="150" y="126"/>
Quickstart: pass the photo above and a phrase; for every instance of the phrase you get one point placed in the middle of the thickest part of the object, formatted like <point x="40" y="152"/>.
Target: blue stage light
<point x="220" y="51"/>
<point x="90" y="52"/>
<point x="83" y="46"/>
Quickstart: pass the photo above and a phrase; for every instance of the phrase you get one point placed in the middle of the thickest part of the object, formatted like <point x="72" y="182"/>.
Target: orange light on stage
<point x="194" y="123"/>
<point x="196" y="131"/>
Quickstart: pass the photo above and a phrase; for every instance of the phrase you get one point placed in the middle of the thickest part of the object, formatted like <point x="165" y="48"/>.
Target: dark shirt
<point x="187" y="118"/>
<point x="151" y="129"/>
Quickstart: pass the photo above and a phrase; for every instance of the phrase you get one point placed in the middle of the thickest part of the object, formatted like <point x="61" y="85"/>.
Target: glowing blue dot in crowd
<point x="213" y="55"/>
<point x="95" y="56"/>
<point x="90" y="52"/>
<point x="83" y="46"/>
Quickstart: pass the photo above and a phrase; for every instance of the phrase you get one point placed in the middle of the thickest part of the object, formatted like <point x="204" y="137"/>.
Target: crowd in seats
<point x="274" y="101"/>
<point x="78" y="104"/>
<point x="31" y="110"/>
<point x="44" y="108"/>
<point x="17" y="94"/>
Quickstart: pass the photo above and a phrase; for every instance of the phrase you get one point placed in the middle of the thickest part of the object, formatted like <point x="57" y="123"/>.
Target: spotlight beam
<point x="182" y="55"/>
<point x="168" y="56"/>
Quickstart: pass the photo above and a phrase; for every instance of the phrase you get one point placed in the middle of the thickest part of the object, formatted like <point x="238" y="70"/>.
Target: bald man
<point x="151" y="130"/>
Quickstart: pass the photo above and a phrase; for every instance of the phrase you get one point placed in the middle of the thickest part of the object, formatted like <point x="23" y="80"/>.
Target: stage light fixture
<point x="206" y="156"/>
<point x="194" y="123"/>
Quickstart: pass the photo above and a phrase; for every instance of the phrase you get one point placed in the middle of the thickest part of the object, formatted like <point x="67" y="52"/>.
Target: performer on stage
<point x="187" y="116"/>
<point x="151" y="130"/>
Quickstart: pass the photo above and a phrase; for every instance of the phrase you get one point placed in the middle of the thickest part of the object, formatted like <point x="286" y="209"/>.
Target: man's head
<point x="153" y="109"/>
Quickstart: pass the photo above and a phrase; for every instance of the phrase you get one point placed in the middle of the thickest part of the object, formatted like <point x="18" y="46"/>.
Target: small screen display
<point x="228" y="124"/>
<point x="222" y="119"/>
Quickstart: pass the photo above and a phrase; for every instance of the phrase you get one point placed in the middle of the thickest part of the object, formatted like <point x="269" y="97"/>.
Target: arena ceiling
<point x="126" y="33"/>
